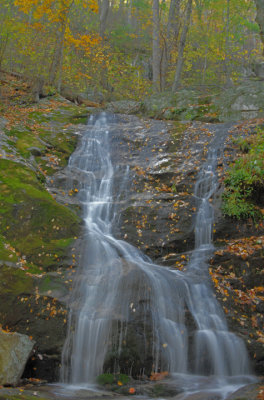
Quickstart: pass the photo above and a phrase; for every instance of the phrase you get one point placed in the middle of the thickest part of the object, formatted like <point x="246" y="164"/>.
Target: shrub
<point x="244" y="182"/>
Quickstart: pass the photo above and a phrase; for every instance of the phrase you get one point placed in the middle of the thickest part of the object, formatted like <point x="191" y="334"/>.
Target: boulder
<point x="245" y="101"/>
<point x="15" y="350"/>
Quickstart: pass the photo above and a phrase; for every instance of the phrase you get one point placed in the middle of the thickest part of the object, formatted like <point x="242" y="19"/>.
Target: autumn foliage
<point x="82" y="45"/>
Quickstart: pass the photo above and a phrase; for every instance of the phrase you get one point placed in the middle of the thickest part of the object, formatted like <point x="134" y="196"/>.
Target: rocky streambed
<point x="42" y="228"/>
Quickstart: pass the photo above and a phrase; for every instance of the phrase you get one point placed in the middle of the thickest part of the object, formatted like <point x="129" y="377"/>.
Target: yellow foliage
<point x="92" y="5"/>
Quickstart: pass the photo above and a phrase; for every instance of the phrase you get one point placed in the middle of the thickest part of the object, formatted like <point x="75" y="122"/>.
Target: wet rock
<point x="53" y="392"/>
<point x="243" y="306"/>
<point x="156" y="214"/>
<point x="37" y="311"/>
<point x="35" y="151"/>
<point x="249" y="392"/>
<point x="15" y="350"/>
<point x="158" y="389"/>
<point x="199" y="396"/>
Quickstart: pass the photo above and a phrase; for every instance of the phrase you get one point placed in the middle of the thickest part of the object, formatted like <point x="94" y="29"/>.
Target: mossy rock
<point x="15" y="281"/>
<point x="30" y="219"/>
<point x="24" y="140"/>
<point x="53" y="132"/>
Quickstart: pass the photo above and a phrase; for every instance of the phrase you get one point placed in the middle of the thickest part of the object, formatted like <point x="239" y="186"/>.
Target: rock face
<point x="158" y="209"/>
<point x="244" y="101"/>
<point x="241" y="102"/>
<point x="186" y="104"/>
<point x="157" y="214"/>
<point x="15" y="350"/>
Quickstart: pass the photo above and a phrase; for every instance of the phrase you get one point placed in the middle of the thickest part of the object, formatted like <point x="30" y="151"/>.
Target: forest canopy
<point x="128" y="48"/>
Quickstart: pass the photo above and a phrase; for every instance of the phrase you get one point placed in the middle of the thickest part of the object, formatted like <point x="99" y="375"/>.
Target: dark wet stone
<point x="35" y="151"/>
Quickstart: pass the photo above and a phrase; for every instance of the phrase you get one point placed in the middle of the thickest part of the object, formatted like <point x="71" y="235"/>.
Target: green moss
<point x="48" y="254"/>
<point x="38" y="116"/>
<point x="79" y="119"/>
<point x="49" y="284"/>
<point x="15" y="281"/>
<point x="32" y="223"/>
<point x="51" y="132"/>
<point x="30" y="219"/>
<point x="24" y="139"/>
<point x="62" y="146"/>
<point x="64" y="114"/>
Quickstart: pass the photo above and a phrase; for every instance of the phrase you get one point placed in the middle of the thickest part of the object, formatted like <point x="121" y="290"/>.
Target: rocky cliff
<point x="41" y="226"/>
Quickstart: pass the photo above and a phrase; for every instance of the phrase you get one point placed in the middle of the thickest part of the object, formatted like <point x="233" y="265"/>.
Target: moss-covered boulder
<point x="15" y="350"/>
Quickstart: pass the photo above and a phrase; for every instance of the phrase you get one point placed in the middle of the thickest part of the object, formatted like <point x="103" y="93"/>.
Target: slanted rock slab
<point x="15" y="350"/>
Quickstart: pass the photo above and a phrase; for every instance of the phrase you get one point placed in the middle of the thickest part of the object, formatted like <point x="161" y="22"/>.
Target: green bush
<point x="244" y="181"/>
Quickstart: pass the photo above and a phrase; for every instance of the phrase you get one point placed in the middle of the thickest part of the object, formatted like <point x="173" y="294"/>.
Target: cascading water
<point x="116" y="281"/>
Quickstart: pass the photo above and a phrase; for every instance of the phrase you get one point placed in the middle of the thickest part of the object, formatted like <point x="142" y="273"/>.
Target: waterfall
<point x="116" y="282"/>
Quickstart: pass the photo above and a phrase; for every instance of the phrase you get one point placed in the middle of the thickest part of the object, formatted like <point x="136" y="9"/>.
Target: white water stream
<point x="104" y="295"/>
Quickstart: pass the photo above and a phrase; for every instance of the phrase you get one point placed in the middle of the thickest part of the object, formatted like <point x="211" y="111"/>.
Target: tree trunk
<point x="129" y="11"/>
<point x="120" y="11"/>
<point x="229" y="81"/>
<point x="172" y="32"/>
<point x="156" y="53"/>
<point x="57" y="60"/>
<point x="260" y="19"/>
<point x="104" y="9"/>
<point x="3" y="46"/>
<point x="185" y="29"/>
